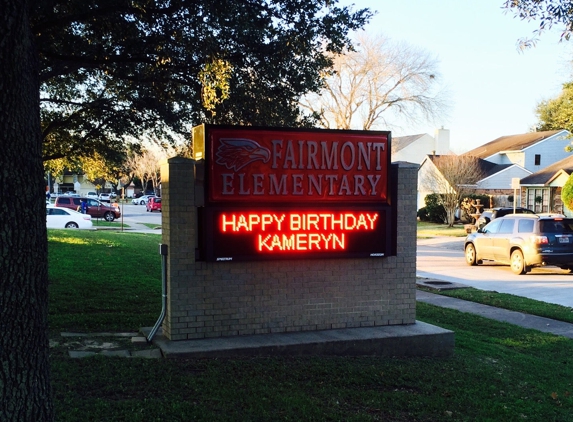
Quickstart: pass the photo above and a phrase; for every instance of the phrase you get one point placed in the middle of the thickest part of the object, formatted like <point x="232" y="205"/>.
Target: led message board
<point x="291" y="193"/>
<point x="282" y="233"/>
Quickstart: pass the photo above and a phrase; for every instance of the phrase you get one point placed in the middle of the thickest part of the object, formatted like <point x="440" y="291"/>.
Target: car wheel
<point x="109" y="216"/>
<point x="471" y="256"/>
<point x="517" y="262"/>
<point x="141" y="202"/>
<point x="72" y="225"/>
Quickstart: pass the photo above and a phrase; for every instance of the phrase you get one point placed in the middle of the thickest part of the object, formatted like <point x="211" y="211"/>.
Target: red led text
<point x="298" y="231"/>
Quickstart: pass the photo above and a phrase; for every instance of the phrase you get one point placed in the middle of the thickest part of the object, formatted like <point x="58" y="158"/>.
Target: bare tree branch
<point x="452" y="178"/>
<point x="379" y="84"/>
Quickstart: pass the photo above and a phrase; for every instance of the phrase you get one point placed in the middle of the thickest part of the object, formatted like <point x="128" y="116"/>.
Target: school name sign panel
<point x="290" y="193"/>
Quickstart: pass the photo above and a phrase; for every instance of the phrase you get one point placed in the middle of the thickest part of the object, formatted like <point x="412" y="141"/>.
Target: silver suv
<point x="494" y="213"/>
<point x="523" y="241"/>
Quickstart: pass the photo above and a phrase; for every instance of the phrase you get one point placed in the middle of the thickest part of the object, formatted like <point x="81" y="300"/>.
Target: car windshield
<point x="556" y="226"/>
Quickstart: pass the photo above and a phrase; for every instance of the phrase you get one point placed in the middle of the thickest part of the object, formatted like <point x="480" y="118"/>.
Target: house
<point x="541" y="191"/>
<point x="432" y="168"/>
<point x="507" y="158"/>
<point x="533" y="151"/>
<point x="71" y="182"/>
<point x="415" y="148"/>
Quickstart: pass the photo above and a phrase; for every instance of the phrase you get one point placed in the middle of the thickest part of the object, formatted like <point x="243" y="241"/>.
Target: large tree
<point x="25" y="393"/>
<point x="114" y="69"/>
<point x="107" y="69"/>
<point x="377" y="84"/>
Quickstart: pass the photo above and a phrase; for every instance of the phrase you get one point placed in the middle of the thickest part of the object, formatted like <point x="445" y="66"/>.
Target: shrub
<point x="435" y="210"/>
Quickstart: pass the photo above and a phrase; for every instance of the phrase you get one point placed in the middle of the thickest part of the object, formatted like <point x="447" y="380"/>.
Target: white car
<point x="142" y="200"/>
<point x="92" y="195"/>
<point x="105" y="197"/>
<point x="64" y="218"/>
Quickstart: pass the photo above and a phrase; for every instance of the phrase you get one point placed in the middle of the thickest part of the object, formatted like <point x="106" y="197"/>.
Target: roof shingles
<point x="510" y="143"/>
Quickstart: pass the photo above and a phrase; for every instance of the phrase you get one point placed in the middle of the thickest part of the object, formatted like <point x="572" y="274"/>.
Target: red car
<point x="96" y="208"/>
<point x="153" y="204"/>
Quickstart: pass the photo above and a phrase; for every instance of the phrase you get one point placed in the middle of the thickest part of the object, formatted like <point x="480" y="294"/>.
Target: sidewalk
<point x="545" y="325"/>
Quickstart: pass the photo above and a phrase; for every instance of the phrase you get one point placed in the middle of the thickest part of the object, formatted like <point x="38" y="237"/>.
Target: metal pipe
<point x="163" y="252"/>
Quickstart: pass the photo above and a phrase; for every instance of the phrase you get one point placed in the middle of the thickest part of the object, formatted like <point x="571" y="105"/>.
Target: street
<point x="138" y="214"/>
<point x="443" y="259"/>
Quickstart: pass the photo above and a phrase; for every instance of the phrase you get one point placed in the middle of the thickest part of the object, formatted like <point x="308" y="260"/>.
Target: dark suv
<point x="523" y="241"/>
<point x="494" y="213"/>
<point x="96" y="209"/>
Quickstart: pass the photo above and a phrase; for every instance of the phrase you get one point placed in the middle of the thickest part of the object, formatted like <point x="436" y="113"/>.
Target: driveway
<point x="443" y="259"/>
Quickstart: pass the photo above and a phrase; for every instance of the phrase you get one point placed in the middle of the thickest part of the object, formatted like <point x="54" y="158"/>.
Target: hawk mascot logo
<point x="237" y="153"/>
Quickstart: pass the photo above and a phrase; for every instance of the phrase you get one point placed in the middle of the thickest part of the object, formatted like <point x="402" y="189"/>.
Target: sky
<point x="493" y="87"/>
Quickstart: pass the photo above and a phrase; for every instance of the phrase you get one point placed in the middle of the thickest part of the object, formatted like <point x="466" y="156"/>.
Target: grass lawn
<point x="100" y="222"/>
<point x="106" y="281"/>
<point x="511" y="302"/>
<point x="426" y="230"/>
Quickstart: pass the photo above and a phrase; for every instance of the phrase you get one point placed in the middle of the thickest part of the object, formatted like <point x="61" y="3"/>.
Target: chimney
<point x="442" y="141"/>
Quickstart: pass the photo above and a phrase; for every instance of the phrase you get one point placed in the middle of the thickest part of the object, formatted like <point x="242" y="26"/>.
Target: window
<point x="506" y="226"/>
<point x="538" y="200"/>
<point x="493" y="227"/>
<point x="525" y="226"/>
<point x="537" y="159"/>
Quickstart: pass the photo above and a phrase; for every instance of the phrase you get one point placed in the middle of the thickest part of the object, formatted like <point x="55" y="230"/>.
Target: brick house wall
<point x="217" y="299"/>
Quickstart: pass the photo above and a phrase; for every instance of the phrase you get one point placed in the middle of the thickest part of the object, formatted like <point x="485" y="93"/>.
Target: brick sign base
<point x="210" y="300"/>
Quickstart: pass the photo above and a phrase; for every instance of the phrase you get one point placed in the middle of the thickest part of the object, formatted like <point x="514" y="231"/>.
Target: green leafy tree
<point x="547" y="13"/>
<point x="557" y="113"/>
<point x="111" y="70"/>
<point x="567" y="193"/>
<point x="79" y="76"/>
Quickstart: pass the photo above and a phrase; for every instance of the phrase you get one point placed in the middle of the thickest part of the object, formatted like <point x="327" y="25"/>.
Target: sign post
<point x="515" y="185"/>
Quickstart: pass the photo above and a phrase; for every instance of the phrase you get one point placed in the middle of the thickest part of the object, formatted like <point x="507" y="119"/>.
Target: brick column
<point x="179" y="216"/>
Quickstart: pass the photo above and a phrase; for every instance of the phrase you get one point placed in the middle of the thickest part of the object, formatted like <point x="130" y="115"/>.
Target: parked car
<point x="96" y="209"/>
<point x="153" y="204"/>
<point x="523" y="241"/>
<point x="63" y="218"/>
<point x="492" y="214"/>
<point x="92" y="195"/>
<point x="142" y="200"/>
<point x="105" y="197"/>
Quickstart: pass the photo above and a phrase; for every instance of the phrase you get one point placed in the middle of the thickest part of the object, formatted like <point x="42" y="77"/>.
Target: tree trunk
<point x="25" y="392"/>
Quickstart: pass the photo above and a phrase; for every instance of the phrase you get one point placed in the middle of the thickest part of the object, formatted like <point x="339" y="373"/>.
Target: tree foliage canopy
<point x="557" y="113"/>
<point x="111" y="70"/>
<point x="567" y="193"/>
<point x="547" y="12"/>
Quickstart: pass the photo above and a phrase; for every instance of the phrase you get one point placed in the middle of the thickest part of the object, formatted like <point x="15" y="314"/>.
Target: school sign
<point x="289" y="194"/>
<point x="292" y="232"/>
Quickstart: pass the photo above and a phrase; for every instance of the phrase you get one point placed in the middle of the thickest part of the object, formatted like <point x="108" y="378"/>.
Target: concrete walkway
<point x="545" y="325"/>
